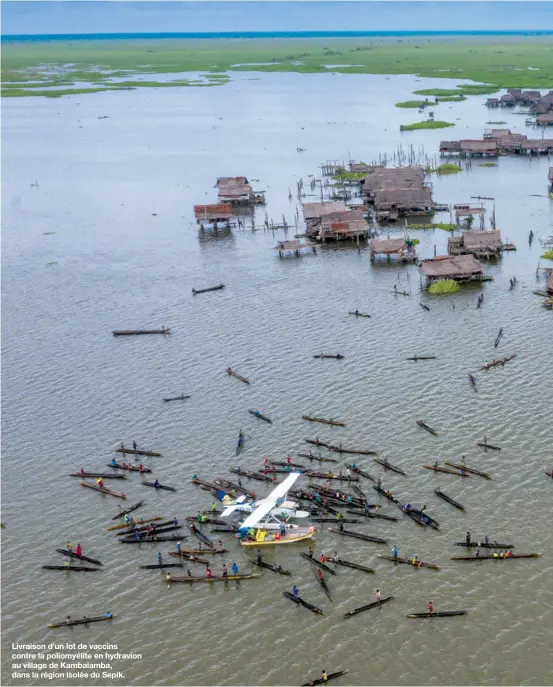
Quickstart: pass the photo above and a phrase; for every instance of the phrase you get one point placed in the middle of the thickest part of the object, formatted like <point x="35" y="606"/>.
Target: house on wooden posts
<point x="462" y="268"/>
<point x="545" y="119"/>
<point x="237" y="190"/>
<point x="450" y="147"/>
<point x="214" y="214"/>
<point x="507" y="100"/>
<point x="537" y="146"/>
<point x="481" y="244"/>
<point x="402" y="249"/>
<point x="391" y="203"/>
<point x="475" y="148"/>
<point x="343" y="226"/>
<point x="313" y="214"/>
<point x="392" y="178"/>
<point x="492" y="102"/>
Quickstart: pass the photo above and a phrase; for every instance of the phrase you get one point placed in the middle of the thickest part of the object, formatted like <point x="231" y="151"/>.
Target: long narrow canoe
<point x="549" y="474"/>
<point x="422" y="424"/>
<point x="422" y="357"/>
<point x="214" y="578"/>
<point x="436" y="468"/>
<point x="484" y="444"/>
<point x="325" y="475"/>
<point x="489" y="557"/>
<point x="424" y="306"/>
<point x="158" y="486"/>
<point x="349" y="564"/>
<point x="317" y="563"/>
<point x="472" y="471"/>
<point x="251" y="475"/>
<point x="209" y="288"/>
<point x="190" y="557"/>
<point x="152" y="534"/>
<point x="232" y="373"/>
<point x="182" y="397"/>
<point x="389" y="466"/>
<point x="103" y="475"/>
<point x="426" y="519"/>
<point x="164" y="526"/>
<point x="367" y="607"/>
<point x="135" y="332"/>
<point x="320" y="579"/>
<point x="337" y="356"/>
<point x="203" y="537"/>
<point x="291" y="465"/>
<point x="138" y="452"/>
<point x="72" y="568"/>
<point x="298" y="600"/>
<point x="501" y="362"/>
<point x="269" y="566"/>
<point x="498" y="337"/>
<point x="72" y="554"/>
<point x="122" y="513"/>
<point x="126" y="526"/>
<point x="375" y="516"/>
<point x="288" y="539"/>
<point x="353" y="451"/>
<point x="484" y="545"/>
<point x="443" y="614"/>
<point x="359" y="535"/>
<point x="83" y="621"/>
<point x="155" y="566"/>
<point x="350" y="521"/>
<point x="447" y="498"/>
<point x="330" y="676"/>
<point x="256" y="413"/>
<point x="316" y="442"/>
<point x="359" y="471"/>
<point x="127" y="466"/>
<point x="407" y="561"/>
<point x="155" y="539"/>
<point x="319" y="459"/>
<point x="358" y="314"/>
<point x="324" y="421"/>
<point x="104" y="490"/>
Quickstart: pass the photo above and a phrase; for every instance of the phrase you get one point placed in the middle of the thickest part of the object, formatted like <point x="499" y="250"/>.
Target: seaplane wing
<point x="267" y="504"/>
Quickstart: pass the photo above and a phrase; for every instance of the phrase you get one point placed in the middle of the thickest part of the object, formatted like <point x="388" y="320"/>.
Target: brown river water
<point x="117" y="193"/>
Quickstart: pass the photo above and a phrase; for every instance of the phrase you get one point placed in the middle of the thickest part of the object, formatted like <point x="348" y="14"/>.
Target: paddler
<point x="108" y="614"/>
<point x="78" y="550"/>
<point x="259" y="556"/>
<point x="325" y="676"/>
<point x="467" y="539"/>
<point x="219" y="546"/>
<point x="266" y="463"/>
<point x="310" y="552"/>
<point x="69" y="546"/>
<point x="140" y="468"/>
<point x="282" y="529"/>
<point x="295" y="591"/>
<point x="66" y="563"/>
<point x="377" y="595"/>
<point x="436" y="464"/>
<point x="100" y="482"/>
<point x="341" y="526"/>
<point x="395" y="551"/>
<point x="213" y="507"/>
<point x="320" y="575"/>
<point x="178" y="548"/>
<point x="208" y="571"/>
<point x="234" y="569"/>
<point x="156" y="483"/>
<point x="159" y="558"/>
<point x="338" y="516"/>
<point x="430" y="607"/>
<point x="168" y="577"/>
<point x="322" y="558"/>
<point x="199" y="516"/>
<point x="112" y="462"/>
<point x="289" y="460"/>
<point x="134" y="445"/>
<point x="225" y="571"/>
<point x="415" y="560"/>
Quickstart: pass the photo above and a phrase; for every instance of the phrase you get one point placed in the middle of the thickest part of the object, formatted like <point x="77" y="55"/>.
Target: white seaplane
<point x="255" y="530"/>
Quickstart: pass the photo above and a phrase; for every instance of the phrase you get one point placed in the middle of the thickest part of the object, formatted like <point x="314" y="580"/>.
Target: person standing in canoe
<point x="208" y="571"/>
<point x="310" y="552"/>
<point x="159" y="558"/>
<point x="69" y="546"/>
<point x="134" y="445"/>
<point x="467" y="538"/>
<point x="322" y="558"/>
<point x="377" y="595"/>
<point x="395" y="552"/>
<point x="259" y="556"/>
<point x="112" y="462"/>
<point x="325" y="676"/>
<point x="78" y="550"/>
<point x="295" y="591"/>
<point x="320" y="575"/>
<point x="100" y="482"/>
<point x="338" y="516"/>
<point x="66" y="563"/>
<point x="225" y="571"/>
<point x="213" y="507"/>
<point x="430" y="607"/>
<point x="289" y="460"/>
<point x="168" y="577"/>
<point x="178" y="548"/>
<point x="341" y="526"/>
<point x="234" y="569"/>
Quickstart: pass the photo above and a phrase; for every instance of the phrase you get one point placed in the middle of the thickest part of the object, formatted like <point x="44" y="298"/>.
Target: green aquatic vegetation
<point x="444" y="92"/>
<point x="548" y="255"/>
<point x="415" y="103"/>
<point x="447" y="168"/>
<point x="444" y="286"/>
<point x="488" y="164"/>
<point x="428" y="124"/>
<point x="496" y="122"/>
<point x="349" y="176"/>
<point x="435" y="225"/>
<point x="452" y="99"/>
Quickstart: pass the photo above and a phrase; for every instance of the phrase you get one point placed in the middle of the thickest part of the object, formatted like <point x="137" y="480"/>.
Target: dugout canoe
<point x="232" y="373"/>
<point x="484" y="444"/>
<point x="323" y="584"/>
<point x="157" y="486"/>
<point x="407" y="561"/>
<point x="256" y="413"/>
<point x="127" y="466"/>
<point x="209" y="288"/>
<point x="443" y="614"/>
<point x="498" y="337"/>
<point x="484" y="545"/>
<point x="351" y="521"/>
<point x="359" y="535"/>
<point x="426" y="519"/>
<point x="447" y="498"/>
<point x="82" y="621"/>
<point x="159" y="527"/>
<point x="251" y="475"/>
<point x="127" y="526"/>
<point x="325" y="475"/>
<point x="376" y="516"/>
<point x="103" y="475"/>
<point x="316" y="442"/>
<point x="359" y="471"/>
<point x="128" y="510"/>
<point x="190" y="557"/>
<point x="317" y="563"/>
<point x="104" y="490"/>
<point x="424" y="306"/>
<point x="135" y="332"/>
<point x="422" y="424"/>
<point x="81" y="557"/>
<point x="472" y="471"/>
<point x="367" y="607"/>
<point x="138" y="452"/>
<point x="214" y="578"/>
<point x="489" y="557"/>
<point x="155" y="566"/>
<point x="337" y="356"/>
<point x="72" y="568"/>
<point x="298" y="600"/>
<point x="389" y="466"/>
<point x="501" y="362"/>
<point x="269" y="566"/>
<point x="330" y="676"/>
<point x="353" y="451"/>
<point x="155" y="539"/>
<point x="437" y="468"/>
<point x="286" y="465"/>
<point x="422" y="357"/>
<point x="182" y="397"/>
<point x="203" y="537"/>
<point x="358" y="314"/>
<point x="349" y="564"/>
<point x="324" y="421"/>
<point x="319" y="459"/>
<point x="145" y="535"/>
<point x="386" y="494"/>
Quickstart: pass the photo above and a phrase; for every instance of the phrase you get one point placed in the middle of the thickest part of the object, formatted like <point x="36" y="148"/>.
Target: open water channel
<point x="107" y="241"/>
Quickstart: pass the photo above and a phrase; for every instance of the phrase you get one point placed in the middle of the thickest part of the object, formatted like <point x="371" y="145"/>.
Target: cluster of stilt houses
<point x="233" y="193"/>
<point x="497" y="142"/>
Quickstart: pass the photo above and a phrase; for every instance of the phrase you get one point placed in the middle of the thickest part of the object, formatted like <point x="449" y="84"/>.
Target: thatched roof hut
<point x="222" y="212"/>
<point x="482" y="244"/>
<point x="319" y="210"/>
<point x="459" y="267"/>
<point x="234" y="189"/>
<point x="403" y="200"/>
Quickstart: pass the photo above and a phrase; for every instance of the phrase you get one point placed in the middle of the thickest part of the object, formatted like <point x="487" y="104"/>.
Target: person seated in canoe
<point x="168" y="577"/>
<point x="194" y="477"/>
<point x="69" y="546"/>
<point x="276" y="536"/>
<point x="467" y="538"/>
<point x="508" y="554"/>
<point x="111" y="462"/>
<point x="208" y="572"/>
<point x="78" y="550"/>
<point x="136" y="533"/>
<point x="229" y="370"/>
<point x="224" y="572"/>
<point x="66" y="563"/>
<point x="140" y="468"/>
<point x="266" y="463"/>
<point x="159" y="558"/>
<point x="259" y="556"/>
<point x="495" y="554"/>
<point x="100" y="482"/>
<point x="128" y="520"/>
<point x="175" y="522"/>
<point x="108" y="614"/>
<point x="295" y="591"/>
<point x="408" y="506"/>
<point x="322" y="558"/>
<point x="156" y="484"/>
<point x="320" y="574"/>
<point x="388" y="492"/>
<point x="415" y="560"/>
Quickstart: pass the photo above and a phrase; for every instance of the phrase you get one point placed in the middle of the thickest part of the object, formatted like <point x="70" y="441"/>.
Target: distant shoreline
<point x="43" y="38"/>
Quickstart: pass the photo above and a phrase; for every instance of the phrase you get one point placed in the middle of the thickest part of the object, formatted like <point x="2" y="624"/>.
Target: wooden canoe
<point x="104" y="490"/>
<point x="324" y="421"/>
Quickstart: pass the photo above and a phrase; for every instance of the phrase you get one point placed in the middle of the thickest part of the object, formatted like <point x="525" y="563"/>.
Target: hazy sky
<point x="119" y="16"/>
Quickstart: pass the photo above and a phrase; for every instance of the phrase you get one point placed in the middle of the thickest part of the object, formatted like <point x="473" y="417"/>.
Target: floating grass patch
<point x="488" y="164"/>
<point x="444" y="92"/>
<point x="496" y="122"/>
<point x="548" y="255"/>
<point x="447" y="168"/>
<point x="444" y="286"/>
<point x="349" y="176"/>
<point x="452" y="99"/>
<point x="461" y="90"/>
<point x="415" y="103"/>
<point x="428" y="124"/>
<point x="435" y="225"/>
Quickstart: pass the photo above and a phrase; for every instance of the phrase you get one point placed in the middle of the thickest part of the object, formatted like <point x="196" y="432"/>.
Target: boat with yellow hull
<point x="264" y="538"/>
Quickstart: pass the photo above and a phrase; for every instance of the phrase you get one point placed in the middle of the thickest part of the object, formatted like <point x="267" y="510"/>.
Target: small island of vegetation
<point x="427" y="124"/>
